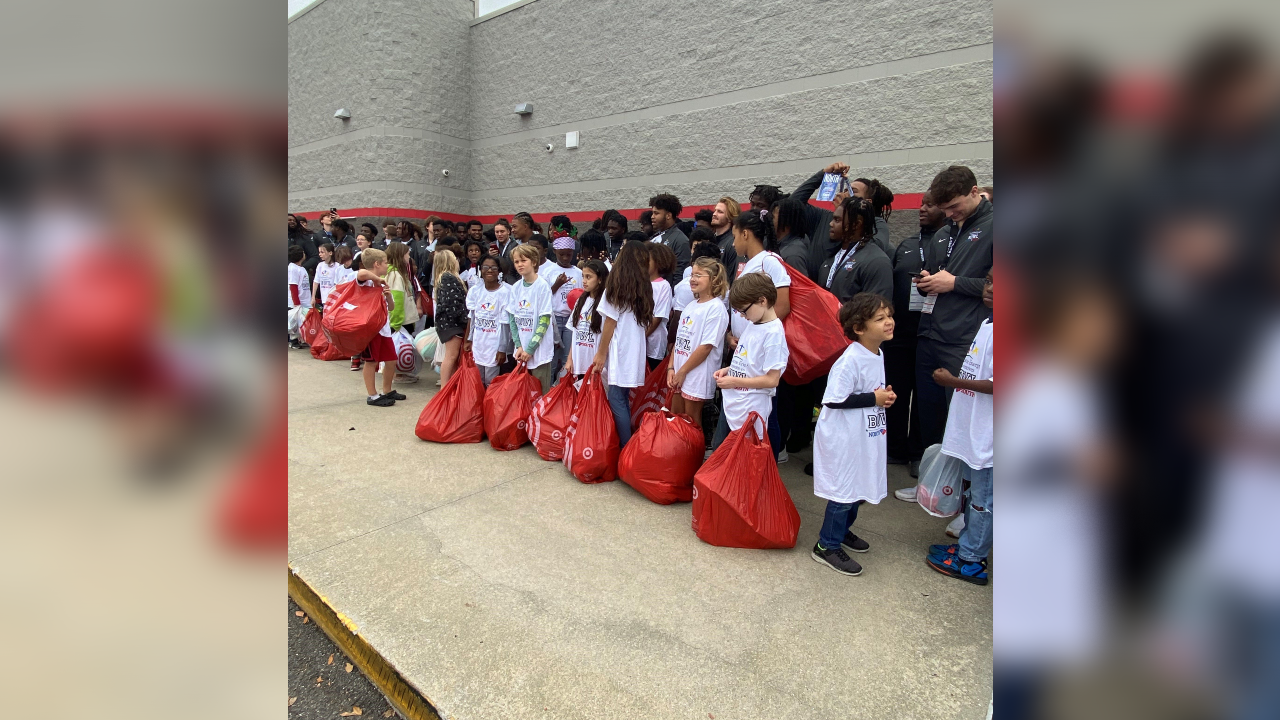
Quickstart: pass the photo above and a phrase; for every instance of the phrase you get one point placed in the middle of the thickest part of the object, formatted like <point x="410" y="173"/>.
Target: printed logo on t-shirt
<point x="876" y="425"/>
<point x="524" y="304"/>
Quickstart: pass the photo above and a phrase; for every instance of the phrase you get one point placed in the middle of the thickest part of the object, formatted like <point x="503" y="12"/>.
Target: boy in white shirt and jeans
<point x="969" y="437"/>
<point x="750" y="383"/>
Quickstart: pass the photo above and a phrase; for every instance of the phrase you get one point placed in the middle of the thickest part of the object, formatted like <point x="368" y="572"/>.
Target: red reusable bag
<point x="662" y="456"/>
<point x="738" y="498"/>
<point x="507" y="405"/>
<point x="591" y="450"/>
<point x="321" y="349"/>
<point x="814" y="337"/>
<point x="653" y="395"/>
<point x="310" y="330"/>
<point x="353" y="316"/>
<point x="455" y="414"/>
<point x="549" y="419"/>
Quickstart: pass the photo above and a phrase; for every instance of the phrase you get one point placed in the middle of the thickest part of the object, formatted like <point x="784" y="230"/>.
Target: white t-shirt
<point x="526" y="304"/>
<point x="850" y="447"/>
<point x="769" y="264"/>
<point x="687" y="272"/>
<point x="583" y="352"/>
<point x="327" y="278"/>
<point x="656" y="343"/>
<point x="701" y="323"/>
<point x="682" y="296"/>
<point x="627" y="348"/>
<point x="549" y="270"/>
<point x="761" y="348"/>
<point x="471" y="276"/>
<point x="488" y="314"/>
<point x="561" y="301"/>
<point x="299" y="286"/>
<point x="386" y="326"/>
<point x="969" y="435"/>
<point x="343" y="275"/>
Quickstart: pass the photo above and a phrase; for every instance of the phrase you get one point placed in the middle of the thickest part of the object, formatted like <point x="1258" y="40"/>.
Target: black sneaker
<point x="808" y="469"/>
<point x="396" y="395"/>
<point x="381" y="401"/>
<point x="836" y="559"/>
<point x="853" y="543"/>
<point x="913" y="467"/>
<point x="295" y="344"/>
<point x="355" y="364"/>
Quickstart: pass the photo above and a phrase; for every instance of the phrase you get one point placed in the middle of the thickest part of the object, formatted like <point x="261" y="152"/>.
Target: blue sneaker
<point x="953" y="566"/>
<point x="943" y="551"/>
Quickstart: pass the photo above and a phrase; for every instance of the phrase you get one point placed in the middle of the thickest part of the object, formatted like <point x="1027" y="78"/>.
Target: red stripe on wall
<point x="906" y="201"/>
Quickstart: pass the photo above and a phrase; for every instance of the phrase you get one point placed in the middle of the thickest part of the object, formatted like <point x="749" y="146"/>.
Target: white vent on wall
<point x="571" y="139"/>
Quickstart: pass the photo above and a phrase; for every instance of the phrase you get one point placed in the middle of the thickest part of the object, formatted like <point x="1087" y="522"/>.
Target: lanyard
<point x="836" y="264"/>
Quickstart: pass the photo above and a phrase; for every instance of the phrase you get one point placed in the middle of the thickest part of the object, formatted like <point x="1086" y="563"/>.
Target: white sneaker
<point x="906" y="494"/>
<point x="955" y="527"/>
<point x="782" y="457"/>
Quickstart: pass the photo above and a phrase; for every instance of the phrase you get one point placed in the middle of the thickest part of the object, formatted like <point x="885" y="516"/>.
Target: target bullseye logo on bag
<point x="946" y="490"/>
<point x="587" y="453"/>
<point x="556" y="435"/>
<point x="521" y="425"/>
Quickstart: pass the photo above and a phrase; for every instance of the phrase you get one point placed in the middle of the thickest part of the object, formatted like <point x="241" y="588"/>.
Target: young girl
<point x="850" y="452"/>
<point x="662" y="262"/>
<point x="450" y="300"/>
<point x="326" y="275"/>
<point x="584" y="321"/>
<point x="699" y="338"/>
<point x="529" y="315"/>
<point x="754" y="241"/>
<point x="405" y="311"/>
<point x="487" y="305"/>
<point x="474" y="250"/>
<point x="859" y="265"/>
<point x="627" y="307"/>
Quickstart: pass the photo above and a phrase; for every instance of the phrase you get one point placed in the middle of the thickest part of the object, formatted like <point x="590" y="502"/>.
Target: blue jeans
<point x="838" y="520"/>
<point x="564" y="341"/>
<point x="975" y="540"/>
<point x="775" y="432"/>
<point x="620" y="404"/>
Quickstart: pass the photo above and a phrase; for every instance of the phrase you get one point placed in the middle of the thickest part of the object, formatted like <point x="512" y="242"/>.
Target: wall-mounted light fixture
<point x="343" y="114"/>
<point x="524" y="109"/>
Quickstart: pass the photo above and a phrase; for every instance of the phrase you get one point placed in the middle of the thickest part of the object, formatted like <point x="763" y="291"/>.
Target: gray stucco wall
<point x="693" y="97"/>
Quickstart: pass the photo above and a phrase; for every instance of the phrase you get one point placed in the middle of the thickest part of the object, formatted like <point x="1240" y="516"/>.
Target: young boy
<point x="529" y="310"/>
<point x="381" y="349"/>
<point x="850" y="448"/>
<point x="299" y="288"/>
<point x="751" y="380"/>
<point x="570" y="279"/>
<point x="969" y="437"/>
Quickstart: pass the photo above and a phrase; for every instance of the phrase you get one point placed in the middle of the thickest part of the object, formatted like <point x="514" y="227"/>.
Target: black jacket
<point x="957" y="314"/>
<point x="794" y="250"/>
<point x="817" y="227"/>
<point x="509" y="274"/>
<point x="882" y="236"/>
<point x="728" y="255"/>
<point x="906" y="262"/>
<point x="679" y="244"/>
<point x="867" y="269"/>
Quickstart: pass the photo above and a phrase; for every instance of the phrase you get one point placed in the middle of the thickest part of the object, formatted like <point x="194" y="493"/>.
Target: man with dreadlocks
<point x="881" y="199"/>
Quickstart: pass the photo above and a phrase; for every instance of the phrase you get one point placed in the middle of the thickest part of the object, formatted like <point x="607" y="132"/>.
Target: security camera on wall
<point x="550" y="147"/>
<point x="444" y="173"/>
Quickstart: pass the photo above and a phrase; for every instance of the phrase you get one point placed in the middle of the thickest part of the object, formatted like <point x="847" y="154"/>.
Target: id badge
<point x="916" y="301"/>
<point x="929" y="302"/>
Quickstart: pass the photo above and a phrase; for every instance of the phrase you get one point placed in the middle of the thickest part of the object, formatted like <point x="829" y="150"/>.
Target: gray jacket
<point x="679" y="244"/>
<point x="866" y="269"/>
<point x="957" y="314"/>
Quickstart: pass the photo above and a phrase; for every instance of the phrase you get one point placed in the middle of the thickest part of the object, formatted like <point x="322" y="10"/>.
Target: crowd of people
<point x="714" y="294"/>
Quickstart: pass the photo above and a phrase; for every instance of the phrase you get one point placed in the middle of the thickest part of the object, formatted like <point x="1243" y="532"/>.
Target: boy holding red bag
<point x="750" y="383"/>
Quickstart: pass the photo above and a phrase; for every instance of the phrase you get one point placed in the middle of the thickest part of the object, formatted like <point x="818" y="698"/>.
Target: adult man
<point x="371" y="231"/>
<point x="956" y="261"/>
<point x="391" y="233"/>
<point x="616" y="227"/>
<point x="341" y="231"/>
<point x="299" y="235"/>
<point x="475" y="230"/>
<point x="763" y="197"/>
<point x="326" y="225"/>
<point x="900" y="352"/>
<point x="881" y="199"/>
<point x="521" y="231"/>
<point x="702" y="218"/>
<point x="817" y="220"/>
<point x="722" y="217"/>
<point x="666" y="210"/>
<point x="646" y="223"/>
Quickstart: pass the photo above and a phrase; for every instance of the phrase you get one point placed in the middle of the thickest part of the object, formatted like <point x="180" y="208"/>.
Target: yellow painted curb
<point x="344" y="633"/>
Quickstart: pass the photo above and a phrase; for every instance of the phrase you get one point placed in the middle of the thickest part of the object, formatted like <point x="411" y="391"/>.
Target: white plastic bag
<point x="408" y="361"/>
<point x="425" y="342"/>
<point x="296" y="316"/>
<point x="939" y="489"/>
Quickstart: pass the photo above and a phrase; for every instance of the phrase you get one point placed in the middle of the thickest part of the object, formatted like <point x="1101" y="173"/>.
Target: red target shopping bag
<point x="354" y="314"/>
<point x="549" y="419"/>
<point x="739" y="499"/>
<point x="814" y="338"/>
<point x="662" y="456"/>
<point x="591" y="450"/>
<point x="653" y="395"/>
<point x="456" y="413"/>
<point x="507" y="405"/>
<point x="310" y="332"/>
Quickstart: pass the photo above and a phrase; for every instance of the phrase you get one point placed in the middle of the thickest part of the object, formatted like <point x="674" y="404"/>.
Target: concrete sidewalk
<point x="503" y="588"/>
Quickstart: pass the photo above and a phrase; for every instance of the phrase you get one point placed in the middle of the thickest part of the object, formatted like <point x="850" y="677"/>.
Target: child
<point x="595" y="247"/>
<point x="529" y="315"/>
<point x="585" y="322"/>
<point x="299" y="287"/>
<point x="752" y="233"/>
<point x="968" y="437"/>
<point x="570" y="279"/>
<point x="751" y="380"/>
<point x="450" y="302"/>
<point x="627" y="307"/>
<point x="662" y="262"/>
<point x="682" y="293"/>
<point x="487" y="305"/>
<point x="850" y="455"/>
<point x="404" y="309"/>
<point x="326" y="275"/>
<point x="474" y="250"/>
<point x="699" y="338"/>
<point x="381" y="349"/>
<point x="343" y="259"/>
